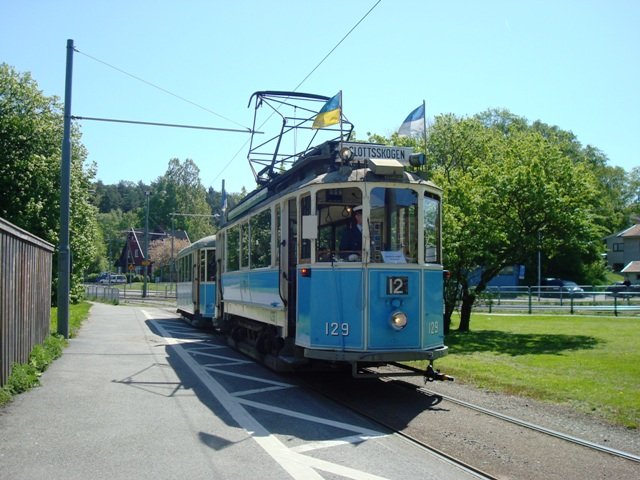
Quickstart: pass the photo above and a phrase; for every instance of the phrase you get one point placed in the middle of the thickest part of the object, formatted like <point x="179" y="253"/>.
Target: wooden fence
<point x="25" y="295"/>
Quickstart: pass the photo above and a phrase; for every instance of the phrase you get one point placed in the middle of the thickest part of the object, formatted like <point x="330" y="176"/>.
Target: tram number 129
<point x="336" y="329"/>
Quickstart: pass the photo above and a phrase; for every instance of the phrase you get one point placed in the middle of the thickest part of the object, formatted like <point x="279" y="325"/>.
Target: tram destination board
<point x="363" y="152"/>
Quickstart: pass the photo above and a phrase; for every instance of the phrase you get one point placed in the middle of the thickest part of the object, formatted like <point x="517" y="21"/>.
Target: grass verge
<point x="589" y="363"/>
<point x="25" y="376"/>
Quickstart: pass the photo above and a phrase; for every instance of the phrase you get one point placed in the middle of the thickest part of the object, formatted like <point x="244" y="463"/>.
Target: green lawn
<point x="78" y="313"/>
<point x="589" y="363"/>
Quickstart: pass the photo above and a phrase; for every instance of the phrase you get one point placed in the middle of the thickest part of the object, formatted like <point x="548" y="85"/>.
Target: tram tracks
<point x="488" y="443"/>
<point x="412" y="439"/>
<point x="532" y="426"/>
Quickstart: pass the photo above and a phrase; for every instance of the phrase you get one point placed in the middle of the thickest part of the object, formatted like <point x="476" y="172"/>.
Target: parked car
<point x="557" y="287"/>
<point x="623" y="289"/>
<point x="113" y="279"/>
<point x="101" y="277"/>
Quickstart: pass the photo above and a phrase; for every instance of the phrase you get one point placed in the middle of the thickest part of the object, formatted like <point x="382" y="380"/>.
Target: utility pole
<point x="64" y="263"/>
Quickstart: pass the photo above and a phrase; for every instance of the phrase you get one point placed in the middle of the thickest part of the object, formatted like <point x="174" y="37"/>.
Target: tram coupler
<point x="432" y="375"/>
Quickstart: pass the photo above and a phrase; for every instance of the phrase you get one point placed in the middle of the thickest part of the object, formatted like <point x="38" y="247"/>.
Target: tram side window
<point x="244" y="245"/>
<point x="432" y="233"/>
<point x="185" y="268"/>
<point x="233" y="249"/>
<point x="203" y="266"/>
<point x="261" y="239"/>
<point x="211" y="265"/>
<point x="305" y="244"/>
<point x="393" y="225"/>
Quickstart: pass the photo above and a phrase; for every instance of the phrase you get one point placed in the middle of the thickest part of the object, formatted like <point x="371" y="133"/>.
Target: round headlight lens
<point x="398" y="320"/>
<point x="346" y="154"/>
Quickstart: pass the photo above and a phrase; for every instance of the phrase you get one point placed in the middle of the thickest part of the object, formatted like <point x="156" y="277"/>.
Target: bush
<point x="92" y="277"/>
<point x="5" y="396"/>
<point x="27" y="375"/>
<point x="23" y="377"/>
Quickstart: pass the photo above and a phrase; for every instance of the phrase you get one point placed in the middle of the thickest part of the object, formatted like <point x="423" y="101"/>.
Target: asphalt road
<point x="139" y="394"/>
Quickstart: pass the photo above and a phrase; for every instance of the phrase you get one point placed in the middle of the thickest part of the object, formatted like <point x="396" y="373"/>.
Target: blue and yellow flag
<point x="330" y="112"/>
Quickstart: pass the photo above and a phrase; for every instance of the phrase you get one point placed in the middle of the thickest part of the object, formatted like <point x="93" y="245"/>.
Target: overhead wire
<point x="337" y="45"/>
<point x="302" y="81"/>
<point x="168" y="92"/>
<point x="160" y="88"/>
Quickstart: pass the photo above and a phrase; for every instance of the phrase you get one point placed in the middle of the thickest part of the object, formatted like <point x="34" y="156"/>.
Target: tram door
<point x="292" y="260"/>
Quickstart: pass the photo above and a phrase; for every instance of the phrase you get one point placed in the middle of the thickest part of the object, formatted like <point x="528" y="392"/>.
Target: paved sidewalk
<point x="126" y="403"/>
<point x="110" y="407"/>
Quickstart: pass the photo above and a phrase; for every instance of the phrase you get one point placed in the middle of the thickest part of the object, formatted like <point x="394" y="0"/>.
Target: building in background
<point x="132" y="258"/>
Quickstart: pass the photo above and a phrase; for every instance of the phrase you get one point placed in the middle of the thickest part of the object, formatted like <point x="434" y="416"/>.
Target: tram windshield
<point x="391" y="221"/>
<point x="393" y="225"/>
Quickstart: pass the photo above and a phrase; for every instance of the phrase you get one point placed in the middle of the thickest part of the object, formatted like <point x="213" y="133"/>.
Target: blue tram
<point x="335" y="260"/>
<point x="196" y="281"/>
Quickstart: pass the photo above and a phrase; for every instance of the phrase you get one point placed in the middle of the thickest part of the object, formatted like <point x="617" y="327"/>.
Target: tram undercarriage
<point x="263" y="343"/>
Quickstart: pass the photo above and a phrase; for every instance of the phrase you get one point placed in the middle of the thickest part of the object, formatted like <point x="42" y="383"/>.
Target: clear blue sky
<point x="574" y="64"/>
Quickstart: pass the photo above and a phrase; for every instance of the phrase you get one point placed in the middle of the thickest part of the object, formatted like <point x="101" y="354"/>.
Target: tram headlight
<point x="398" y="320"/>
<point x="346" y="154"/>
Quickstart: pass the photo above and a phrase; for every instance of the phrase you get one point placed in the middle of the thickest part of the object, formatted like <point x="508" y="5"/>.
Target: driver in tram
<point x="351" y="240"/>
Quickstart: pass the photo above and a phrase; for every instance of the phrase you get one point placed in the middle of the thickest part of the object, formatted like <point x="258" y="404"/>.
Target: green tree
<point x="31" y="129"/>
<point x="180" y="191"/>
<point x="509" y="190"/>
<point x="632" y="191"/>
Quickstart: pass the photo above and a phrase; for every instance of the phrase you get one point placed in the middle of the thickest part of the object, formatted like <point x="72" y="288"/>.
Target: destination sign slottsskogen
<point x="385" y="152"/>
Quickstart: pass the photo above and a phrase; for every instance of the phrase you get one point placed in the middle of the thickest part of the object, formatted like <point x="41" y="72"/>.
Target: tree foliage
<point x="180" y="195"/>
<point x="162" y="252"/>
<point x="31" y="131"/>
<point x="126" y="196"/>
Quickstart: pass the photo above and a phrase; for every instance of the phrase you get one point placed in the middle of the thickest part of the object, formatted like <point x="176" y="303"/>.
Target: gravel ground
<point x="501" y="449"/>
<point x="555" y="417"/>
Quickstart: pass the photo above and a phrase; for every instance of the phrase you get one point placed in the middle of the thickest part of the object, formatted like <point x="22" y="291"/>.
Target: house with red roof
<point x="132" y="258"/>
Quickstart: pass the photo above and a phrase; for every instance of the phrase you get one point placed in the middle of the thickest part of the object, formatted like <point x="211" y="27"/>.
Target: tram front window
<point x="431" y="211"/>
<point x="335" y="208"/>
<point x="393" y="225"/>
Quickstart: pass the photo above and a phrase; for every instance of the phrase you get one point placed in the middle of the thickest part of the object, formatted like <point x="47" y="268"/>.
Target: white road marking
<point x="297" y="465"/>
<point x="219" y="357"/>
<point x="311" y="418"/>
<point x="258" y="390"/>
<point x="250" y="377"/>
<point x="352" y="440"/>
<point x="207" y="346"/>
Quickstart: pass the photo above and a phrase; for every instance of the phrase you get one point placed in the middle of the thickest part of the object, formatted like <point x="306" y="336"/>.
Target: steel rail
<point x="478" y="473"/>
<point x="531" y="426"/>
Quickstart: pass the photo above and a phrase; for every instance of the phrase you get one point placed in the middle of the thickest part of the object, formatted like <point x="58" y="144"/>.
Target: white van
<point x="113" y="278"/>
